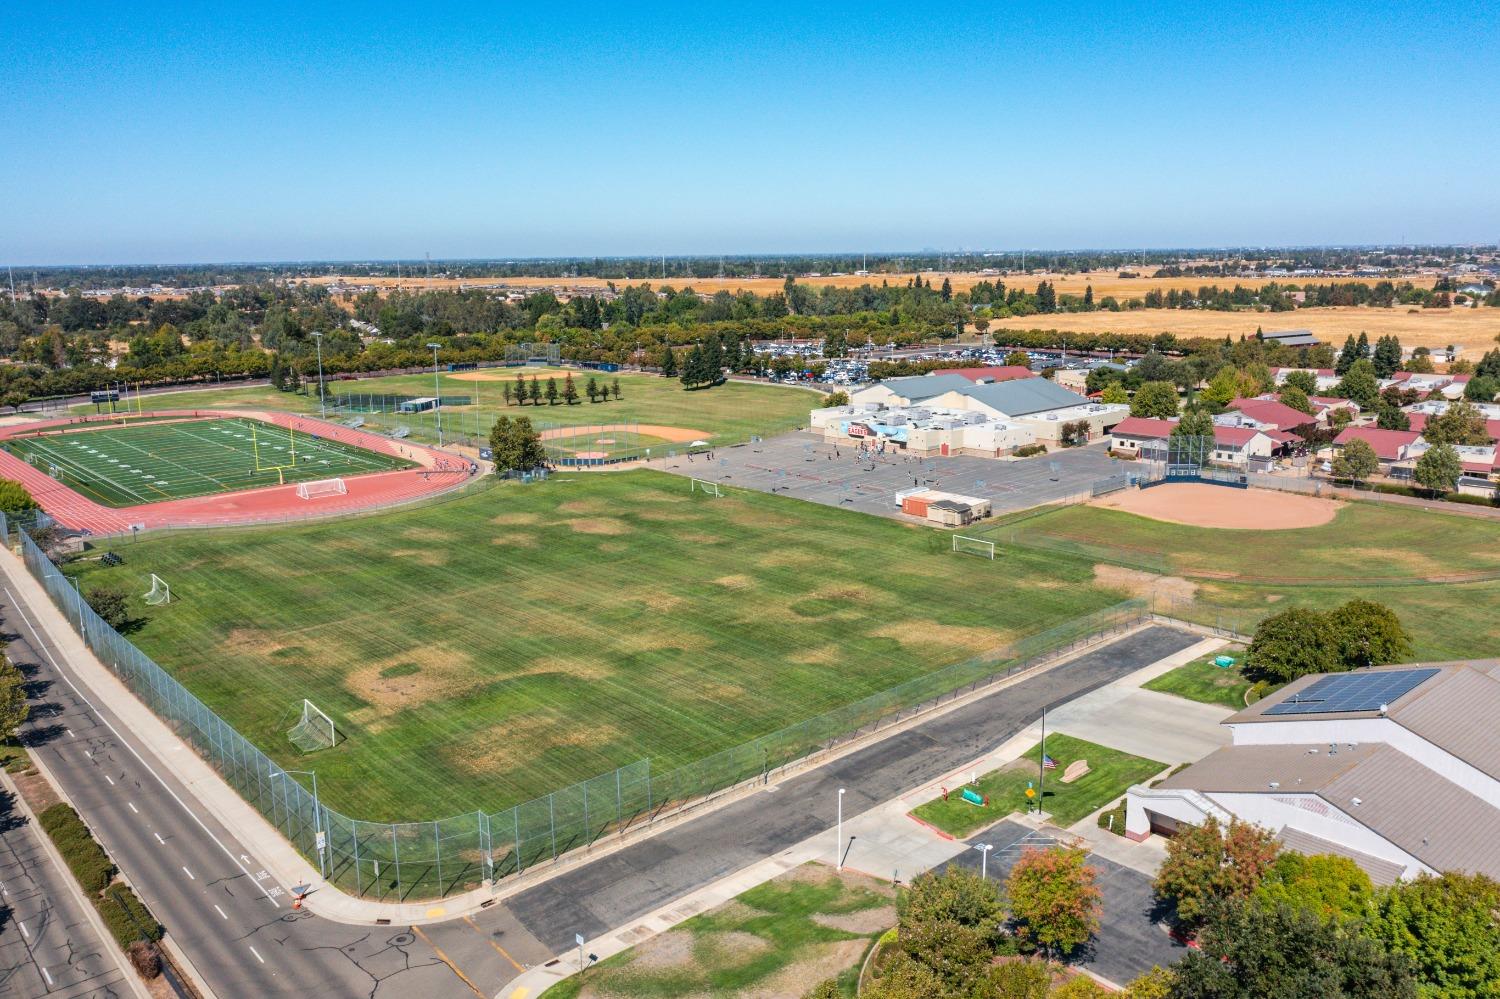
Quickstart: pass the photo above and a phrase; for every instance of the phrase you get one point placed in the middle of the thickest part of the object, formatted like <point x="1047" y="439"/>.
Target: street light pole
<point x="436" y="392"/>
<point x="839" y="859"/>
<point x="317" y="817"/>
<point x="984" y="860"/>
<point x="322" y="405"/>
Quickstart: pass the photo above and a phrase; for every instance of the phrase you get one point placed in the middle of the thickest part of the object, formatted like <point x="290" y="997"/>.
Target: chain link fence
<point x="432" y="859"/>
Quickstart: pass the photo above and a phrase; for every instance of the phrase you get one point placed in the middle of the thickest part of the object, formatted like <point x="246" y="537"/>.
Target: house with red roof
<point x="995" y="373"/>
<point x="1264" y="414"/>
<point x="1147" y="438"/>
<point x="1390" y="446"/>
<point x="1419" y="423"/>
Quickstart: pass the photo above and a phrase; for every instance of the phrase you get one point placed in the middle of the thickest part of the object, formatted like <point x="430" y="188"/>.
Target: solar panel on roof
<point x="1352" y="692"/>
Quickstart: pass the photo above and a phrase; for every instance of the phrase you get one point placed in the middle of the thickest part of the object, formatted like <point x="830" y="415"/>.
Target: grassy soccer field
<point x="724" y="414"/>
<point x="146" y="462"/>
<point x="496" y="647"/>
<point x="1369" y="551"/>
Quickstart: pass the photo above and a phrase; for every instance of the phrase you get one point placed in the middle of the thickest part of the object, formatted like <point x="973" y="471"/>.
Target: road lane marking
<point x="514" y="963"/>
<point x="47" y="976"/>
<point x="159" y="839"/>
<point x="24" y="931"/>
<point x="451" y="966"/>
<point x="221" y="912"/>
<point x="257" y="955"/>
<point x="88" y="754"/>
<point x="70" y="733"/>
<point x="133" y="808"/>
<point x="110" y="779"/>
<point x="189" y="874"/>
<point x="149" y="769"/>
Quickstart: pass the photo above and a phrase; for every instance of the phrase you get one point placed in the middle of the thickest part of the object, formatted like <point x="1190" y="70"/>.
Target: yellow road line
<point x="451" y="966"/>
<point x="513" y="962"/>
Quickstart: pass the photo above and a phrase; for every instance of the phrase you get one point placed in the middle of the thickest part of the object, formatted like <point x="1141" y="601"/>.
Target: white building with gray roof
<point x="1397" y="768"/>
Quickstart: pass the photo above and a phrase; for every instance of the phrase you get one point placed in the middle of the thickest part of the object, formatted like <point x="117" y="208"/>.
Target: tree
<point x="1329" y="886"/>
<point x="111" y="604"/>
<point x="1357" y="461"/>
<point x="1482" y="388"/>
<point x="1446" y="927"/>
<point x="1157" y="983"/>
<point x="668" y="363"/>
<point x="835" y="344"/>
<point x="1304" y="380"/>
<point x="552" y="390"/>
<point x="1439" y="468"/>
<point x="1222" y="387"/>
<point x="1208" y="863"/>
<point x="1290" y="644"/>
<point x="592" y="389"/>
<point x="1391" y="418"/>
<point x="904" y="978"/>
<point x="1387" y="356"/>
<point x="1114" y="394"/>
<point x="515" y="445"/>
<point x="839" y="398"/>
<point x="1294" y="397"/>
<point x="15" y="498"/>
<point x="1194" y="432"/>
<point x="507" y="390"/>
<point x="614" y="387"/>
<point x="1360" y="385"/>
<point x="534" y="392"/>
<point x="1054" y="898"/>
<point x="521" y="392"/>
<point x="1369" y="634"/>
<point x="1251" y="951"/>
<point x="293" y="382"/>
<point x="1459" y="423"/>
<point x="950" y="923"/>
<point x="570" y="391"/>
<point x="1155" y="400"/>
<point x="1347" y="356"/>
<point x="13" y="707"/>
<point x="1018" y="359"/>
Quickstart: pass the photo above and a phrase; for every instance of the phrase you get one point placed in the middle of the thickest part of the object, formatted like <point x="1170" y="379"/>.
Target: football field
<point x="147" y="462"/>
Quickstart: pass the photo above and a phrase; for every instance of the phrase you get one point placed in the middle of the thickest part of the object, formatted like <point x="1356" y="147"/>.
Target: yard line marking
<point x="183" y="805"/>
<point x="257" y="955"/>
<point x="189" y="874"/>
<point x="220" y="911"/>
<point x="133" y="808"/>
<point x="159" y="839"/>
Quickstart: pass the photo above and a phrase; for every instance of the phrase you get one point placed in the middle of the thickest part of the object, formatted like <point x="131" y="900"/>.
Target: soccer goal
<point x="314" y="730"/>
<point x="973" y="546"/>
<point x="160" y="592"/>
<point x="699" y="486"/>
<point x="321" y="487"/>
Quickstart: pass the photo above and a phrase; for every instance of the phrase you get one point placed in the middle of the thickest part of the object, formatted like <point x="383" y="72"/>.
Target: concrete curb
<point x="132" y="980"/>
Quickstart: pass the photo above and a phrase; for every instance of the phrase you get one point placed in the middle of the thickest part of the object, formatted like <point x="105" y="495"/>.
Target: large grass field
<point x="490" y="649"/>
<point x="1371" y="551"/>
<point x="724" y="414"/>
<point x="146" y="462"/>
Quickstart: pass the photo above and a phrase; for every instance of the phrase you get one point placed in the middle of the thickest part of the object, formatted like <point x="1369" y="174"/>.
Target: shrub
<point x="145" y="959"/>
<point x="84" y="857"/>
<point x="127" y="917"/>
<point x="1028" y="450"/>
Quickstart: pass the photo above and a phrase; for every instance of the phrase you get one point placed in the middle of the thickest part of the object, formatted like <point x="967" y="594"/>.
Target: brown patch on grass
<point x="923" y="632"/>
<point x="735" y="582"/>
<point x="515" y="519"/>
<point x="1144" y="584"/>
<point x="426" y="534"/>
<point x="441" y="674"/>
<point x="850" y="593"/>
<point x="424" y="556"/>
<point x="751" y="516"/>
<point x="661" y="516"/>
<point x="582" y="669"/>
<point x="505" y="745"/>
<point x="599" y="525"/>
<point x="256" y="641"/>
<point x="613" y="547"/>
<point x="875" y="920"/>
<point x="581" y="506"/>
<point x="666" y="603"/>
<point x="821" y="962"/>
<point x="1271" y="598"/>
<point x="672" y="949"/>
<point x="698" y="537"/>
<point x="823" y="655"/>
<point x="788" y="559"/>
<point x="514" y="540"/>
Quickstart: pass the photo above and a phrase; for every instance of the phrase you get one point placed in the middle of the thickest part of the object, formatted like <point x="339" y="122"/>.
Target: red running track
<point x="439" y="473"/>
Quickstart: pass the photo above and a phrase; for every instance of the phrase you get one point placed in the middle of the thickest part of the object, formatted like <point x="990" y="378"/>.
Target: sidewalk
<point x="885" y="842"/>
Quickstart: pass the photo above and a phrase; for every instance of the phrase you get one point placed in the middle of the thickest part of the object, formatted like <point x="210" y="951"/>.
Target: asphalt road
<point x="47" y="945"/>
<point x="233" y="921"/>
<point x="628" y="884"/>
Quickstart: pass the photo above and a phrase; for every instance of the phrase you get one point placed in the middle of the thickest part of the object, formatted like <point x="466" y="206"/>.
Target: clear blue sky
<point x="160" y="134"/>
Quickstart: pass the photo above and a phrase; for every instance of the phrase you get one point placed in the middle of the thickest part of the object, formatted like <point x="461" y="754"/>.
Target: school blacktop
<point x="802" y="465"/>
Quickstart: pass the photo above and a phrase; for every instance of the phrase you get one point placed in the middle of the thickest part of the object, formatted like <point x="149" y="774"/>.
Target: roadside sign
<point x="578" y="939"/>
<point x="322" y="841"/>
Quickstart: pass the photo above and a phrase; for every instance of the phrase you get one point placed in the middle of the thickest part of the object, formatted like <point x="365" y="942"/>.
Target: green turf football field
<point x="492" y="648"/>
<point x="150" y="462"/>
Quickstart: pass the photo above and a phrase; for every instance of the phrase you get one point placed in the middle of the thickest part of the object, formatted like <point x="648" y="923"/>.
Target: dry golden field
<point x="1473" y="330"/>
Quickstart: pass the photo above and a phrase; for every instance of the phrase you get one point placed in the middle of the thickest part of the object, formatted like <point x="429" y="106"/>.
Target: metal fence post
<point x="396" y="858"/>
<point x="552" y="822"/>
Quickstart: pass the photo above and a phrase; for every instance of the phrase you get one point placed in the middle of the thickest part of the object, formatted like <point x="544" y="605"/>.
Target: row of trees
<point x="1271" y="923"/>
<point x="522" y="391"/>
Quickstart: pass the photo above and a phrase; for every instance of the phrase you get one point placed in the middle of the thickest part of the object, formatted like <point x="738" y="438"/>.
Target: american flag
<point x="1048" y="763"/>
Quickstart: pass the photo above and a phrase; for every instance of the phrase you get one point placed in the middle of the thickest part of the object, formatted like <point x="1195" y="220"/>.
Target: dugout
<point x="425" y="404"/>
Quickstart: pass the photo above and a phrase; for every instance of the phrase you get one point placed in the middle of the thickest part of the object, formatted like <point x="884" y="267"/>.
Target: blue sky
<point x="161" y="134"/>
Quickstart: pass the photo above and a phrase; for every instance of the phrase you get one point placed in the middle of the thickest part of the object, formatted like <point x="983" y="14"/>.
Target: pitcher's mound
<point x="1201" y="505"/>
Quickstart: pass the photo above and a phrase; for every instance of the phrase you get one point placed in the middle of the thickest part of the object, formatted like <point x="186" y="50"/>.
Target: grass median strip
<point x="1110" y="772"/>
<point x="1203" y="681"/>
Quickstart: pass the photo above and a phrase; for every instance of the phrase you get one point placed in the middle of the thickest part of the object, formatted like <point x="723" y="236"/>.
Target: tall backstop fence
<point x="434" y="858"/>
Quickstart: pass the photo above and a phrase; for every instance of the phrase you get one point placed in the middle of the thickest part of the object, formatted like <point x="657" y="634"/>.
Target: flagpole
<point x="1041" y="768"/>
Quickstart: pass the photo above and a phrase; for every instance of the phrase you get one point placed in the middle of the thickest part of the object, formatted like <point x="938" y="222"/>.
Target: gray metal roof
<point x="1292" y="338"/>
<point x="1024" y="396"/>
<point x="1381" y="871"/>
<point x="919" y="387"/>
<point x="1295" y="768"/>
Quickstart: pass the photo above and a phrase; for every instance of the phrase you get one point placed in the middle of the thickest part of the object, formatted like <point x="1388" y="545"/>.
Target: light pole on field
<point x="984" y="859"/>
<point x="322" y="406"/>
<point x="436" y="392"/>
<point x="839" y="859"/>
<point x="317" y="817"/>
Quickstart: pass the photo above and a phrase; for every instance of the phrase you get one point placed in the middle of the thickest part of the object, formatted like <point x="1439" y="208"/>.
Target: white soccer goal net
<point x="973" y="546"/>
<point x="160" y="592"/>
<point x="699" y="486"/>
<point x="321" y="487"/>
<point x="314" y="730"/>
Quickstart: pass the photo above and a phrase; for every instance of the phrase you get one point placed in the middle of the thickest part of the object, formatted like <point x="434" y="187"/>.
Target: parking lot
<point x="801" y="464"/>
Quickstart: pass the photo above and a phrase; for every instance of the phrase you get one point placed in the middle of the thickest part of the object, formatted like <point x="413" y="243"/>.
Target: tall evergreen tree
<point x="521" y="389"/>
<point x="668" y="362"/>
<point x="1362" y="345"/>
<point x="552" y="391"/>
<point x="570" y="391"/>
<point x="1347" y="357"/>
<point x="534" y="392"/>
